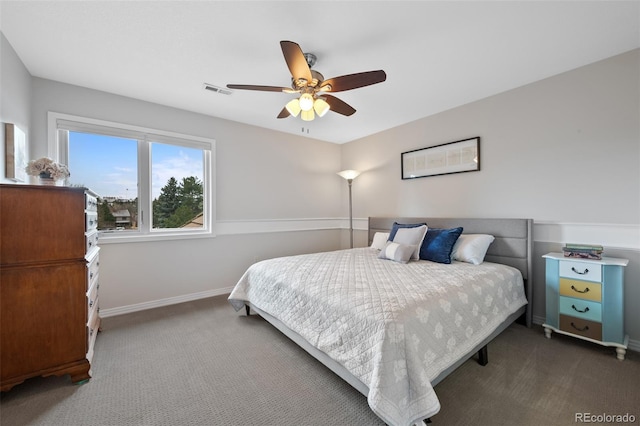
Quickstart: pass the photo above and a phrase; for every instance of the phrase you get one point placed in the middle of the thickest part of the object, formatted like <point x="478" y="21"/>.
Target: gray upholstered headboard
<point x="513" y="244"/>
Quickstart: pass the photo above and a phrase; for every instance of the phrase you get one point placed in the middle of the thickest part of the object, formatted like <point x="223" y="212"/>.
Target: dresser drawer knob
<point x="585" y="328"/>
<point x="586" y="271"/>
<point x="578" y="310"/>
<point x="586" y="290"/>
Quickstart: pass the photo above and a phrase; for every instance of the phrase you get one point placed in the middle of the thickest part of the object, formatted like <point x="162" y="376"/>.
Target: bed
<point x="394" y="330"/>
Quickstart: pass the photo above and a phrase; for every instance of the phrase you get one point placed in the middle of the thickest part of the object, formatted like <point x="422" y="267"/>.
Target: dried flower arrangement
<point x="47" y="168"/>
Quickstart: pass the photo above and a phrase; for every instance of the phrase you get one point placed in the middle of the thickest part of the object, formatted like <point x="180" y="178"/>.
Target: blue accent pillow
<point x="397" y="226"/>
<point x="438" y="244"/>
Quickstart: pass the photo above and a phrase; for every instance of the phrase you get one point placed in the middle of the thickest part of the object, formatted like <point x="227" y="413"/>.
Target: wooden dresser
<point x="49" y="261"/>
<point x="585" y="299"/>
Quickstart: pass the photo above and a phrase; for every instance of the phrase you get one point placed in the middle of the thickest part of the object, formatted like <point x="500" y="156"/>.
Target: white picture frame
<point x="15" y="153"/>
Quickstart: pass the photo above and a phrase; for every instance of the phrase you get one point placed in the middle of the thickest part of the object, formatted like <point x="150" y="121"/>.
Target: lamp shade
<point x="293" y="106"/>
<point x="321" y="107"/>
<point x="349" y="174"/>
<point x="307" y="115"/>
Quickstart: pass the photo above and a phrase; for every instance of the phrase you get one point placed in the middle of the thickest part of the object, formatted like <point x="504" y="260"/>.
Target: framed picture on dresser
<point x="16" y="152"/>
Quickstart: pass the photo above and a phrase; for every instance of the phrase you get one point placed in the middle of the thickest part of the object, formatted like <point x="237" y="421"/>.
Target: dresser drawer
<point x="579" y="308"/>
<point x="93" y="268"/>
<point x="581" y="270"/>
<point x="91" y="221"/>
<point x="581" y="289"/>
<point x="90" y="203"/>
<point x="91" y="240"/>
<point x="92" y="297"/>
<point x="581" y="327"/>
<point x="92" y="331"/>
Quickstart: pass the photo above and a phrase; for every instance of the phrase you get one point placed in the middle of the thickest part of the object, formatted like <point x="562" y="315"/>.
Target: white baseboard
<point x="121" y="310"/>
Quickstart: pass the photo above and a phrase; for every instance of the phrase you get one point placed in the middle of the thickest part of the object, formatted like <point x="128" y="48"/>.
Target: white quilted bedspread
<point x="393" y="326"/>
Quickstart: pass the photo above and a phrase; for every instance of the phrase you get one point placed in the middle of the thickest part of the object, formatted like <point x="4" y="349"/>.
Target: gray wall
<point x="15" y="102"/>
<point x="564" y="151"/>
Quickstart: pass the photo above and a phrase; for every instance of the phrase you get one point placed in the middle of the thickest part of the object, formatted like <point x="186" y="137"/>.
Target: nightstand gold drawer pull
<point x="580" y="291"/>
<point x="583" y="329"/>
<point x="586" y="271"/>
<point x="578" y="310"/>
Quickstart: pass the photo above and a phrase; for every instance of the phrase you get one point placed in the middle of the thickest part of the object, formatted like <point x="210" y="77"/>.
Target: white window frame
<point x="58" y="149"/>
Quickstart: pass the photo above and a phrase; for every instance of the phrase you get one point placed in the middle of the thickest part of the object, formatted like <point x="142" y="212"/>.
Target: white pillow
<point x="471" y="248"/>
<point x="396" y="252"/>
<point x="379" y="240"/>
<point x="411" y="237"/>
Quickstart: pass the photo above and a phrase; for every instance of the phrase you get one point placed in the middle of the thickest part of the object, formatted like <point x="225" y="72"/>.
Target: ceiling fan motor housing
<point x="311" y="59"/>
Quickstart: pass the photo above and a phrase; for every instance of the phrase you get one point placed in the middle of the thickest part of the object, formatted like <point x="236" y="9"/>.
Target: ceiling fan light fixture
<point x="293" y="106"/>
<point x="306" y="102"/>
<point x="321" y="107"/>
<point x="307" y="115"/>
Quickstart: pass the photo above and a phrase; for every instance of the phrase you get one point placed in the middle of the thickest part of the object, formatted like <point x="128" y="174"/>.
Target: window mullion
<point x="144" y="189"/>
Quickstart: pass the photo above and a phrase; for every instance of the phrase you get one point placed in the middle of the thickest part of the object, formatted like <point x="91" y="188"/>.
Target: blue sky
<point x="108" y="165"/>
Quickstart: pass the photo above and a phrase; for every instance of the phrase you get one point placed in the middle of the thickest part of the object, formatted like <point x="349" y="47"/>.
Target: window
<point x="152" y="184"/>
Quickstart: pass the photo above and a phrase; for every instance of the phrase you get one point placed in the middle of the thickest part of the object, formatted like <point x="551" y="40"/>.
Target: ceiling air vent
<point x="217" y="89"/>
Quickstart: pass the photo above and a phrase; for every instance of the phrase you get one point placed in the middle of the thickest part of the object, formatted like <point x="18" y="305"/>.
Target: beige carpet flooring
<point x="201" y="363"/>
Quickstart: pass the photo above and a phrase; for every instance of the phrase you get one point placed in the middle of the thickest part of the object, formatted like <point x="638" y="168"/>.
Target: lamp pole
<point x="350" y="181"/>
<point x="350" y="175"/>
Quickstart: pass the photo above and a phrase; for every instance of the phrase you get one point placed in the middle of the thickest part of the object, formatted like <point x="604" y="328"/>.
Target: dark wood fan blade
<point x="284" y="113"/>
<point x="260" y="88"/>
<point x="339" y="106"/>
<point x="295" y="60"/>
<point x="353" y="81"/>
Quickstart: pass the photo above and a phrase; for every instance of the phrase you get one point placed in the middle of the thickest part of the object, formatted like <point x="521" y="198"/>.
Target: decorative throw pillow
<point x="397" y="226"/>
<point x="411" y="237"/>
<point x="379" y="240"/>
<point x="438" y="244"/>
<point x="471" y="248"/>
<point x="397" y="252"/>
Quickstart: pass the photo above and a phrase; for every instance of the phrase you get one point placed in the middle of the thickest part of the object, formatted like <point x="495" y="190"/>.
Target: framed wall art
<point x="452" y="157"/>
<point x="16" y="153"/>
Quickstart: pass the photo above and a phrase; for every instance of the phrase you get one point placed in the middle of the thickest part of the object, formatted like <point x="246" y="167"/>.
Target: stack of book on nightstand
<point x="583" y="251"/>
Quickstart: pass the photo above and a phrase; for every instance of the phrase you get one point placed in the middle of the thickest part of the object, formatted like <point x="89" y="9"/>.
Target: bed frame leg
<point x="483" y="356"/>
<point x="248" y="309"/>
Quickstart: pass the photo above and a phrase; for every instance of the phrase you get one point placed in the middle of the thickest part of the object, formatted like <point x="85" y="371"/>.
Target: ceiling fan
<point x="313" y="88"/>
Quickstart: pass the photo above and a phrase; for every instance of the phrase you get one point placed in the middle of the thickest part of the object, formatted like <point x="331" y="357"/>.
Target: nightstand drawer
<point x="581" y="289"/>
<point x="581" y="327"/>
<point x="584" y="309"/>
<point x="581" y="270"/>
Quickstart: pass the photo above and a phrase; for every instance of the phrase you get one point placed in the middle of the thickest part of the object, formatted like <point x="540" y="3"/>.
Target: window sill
<point x="131" y="237"/>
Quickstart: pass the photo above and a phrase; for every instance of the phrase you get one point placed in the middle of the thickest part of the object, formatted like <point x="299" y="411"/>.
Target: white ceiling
<point x="437" y="55"/>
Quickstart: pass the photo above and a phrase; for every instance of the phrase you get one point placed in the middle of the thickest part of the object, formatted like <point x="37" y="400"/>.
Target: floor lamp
<point x="350" y="175"/>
